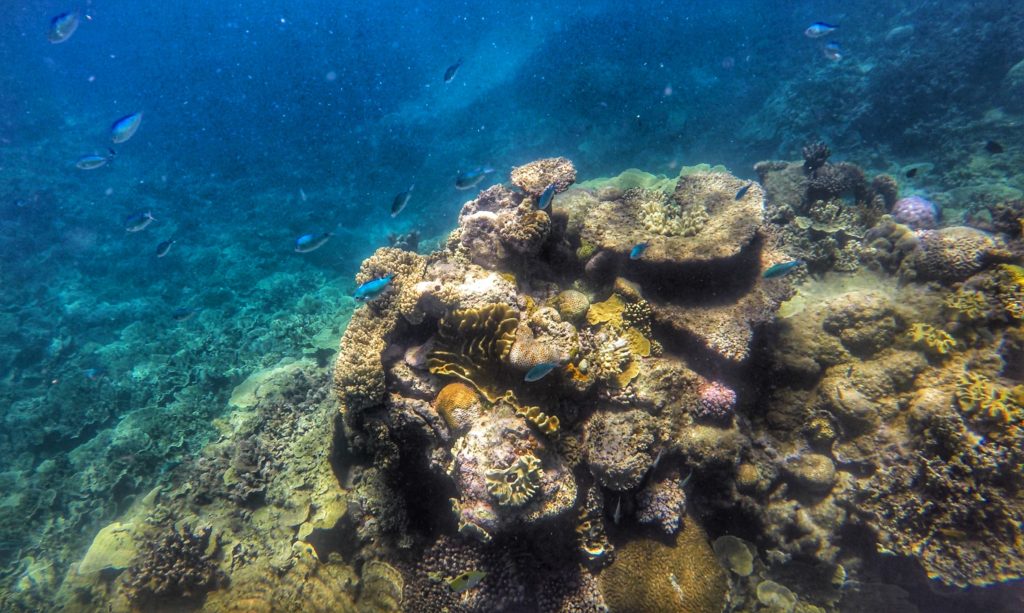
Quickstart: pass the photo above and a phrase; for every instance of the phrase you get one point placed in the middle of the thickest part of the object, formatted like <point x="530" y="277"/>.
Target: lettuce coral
<point x="936" y="341"/>
<point x="472" y="343"/>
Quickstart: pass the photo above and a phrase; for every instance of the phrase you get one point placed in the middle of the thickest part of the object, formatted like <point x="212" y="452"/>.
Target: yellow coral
<point x="970" y="305"/>
<point x="639" y="344"/>
<point x="935" y="340"/>
<point x="980" y="396"/>
<point x="516" y="484"/>
<point x="630" y="372"/>
<point x="454" y="400"/>
<point x="548" y="424"/>
<point x="472" y="343"/>
<point x="610" y="311"/>
<point x="651" y="576"/>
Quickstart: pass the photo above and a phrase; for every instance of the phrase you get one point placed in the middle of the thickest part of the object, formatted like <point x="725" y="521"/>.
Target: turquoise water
<point x="263" y="122"/>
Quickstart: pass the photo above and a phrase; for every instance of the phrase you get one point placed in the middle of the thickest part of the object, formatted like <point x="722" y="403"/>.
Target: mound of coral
<point x="534" y="418"/>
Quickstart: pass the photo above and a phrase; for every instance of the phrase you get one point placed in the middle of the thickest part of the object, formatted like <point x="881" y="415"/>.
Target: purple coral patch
<point x="917" y="212"/>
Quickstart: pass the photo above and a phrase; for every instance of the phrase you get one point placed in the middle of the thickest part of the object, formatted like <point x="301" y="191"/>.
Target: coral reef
<point x="472" y="344"/>
<point x="717" y="402"/>
<point x="177" y="566"/>
<point x="621" y="447"/>
<point x="532" y="178"/>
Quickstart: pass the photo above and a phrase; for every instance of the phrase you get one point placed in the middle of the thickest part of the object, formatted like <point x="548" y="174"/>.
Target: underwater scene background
<point x="532" y="306"/>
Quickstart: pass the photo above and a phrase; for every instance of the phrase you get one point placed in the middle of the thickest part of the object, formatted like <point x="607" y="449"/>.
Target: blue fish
<point x="638" y="250"/>
<point x="471" y="178"/>
<point x="833" y="51"/>
<point x="311" y="242"/>
<point x="546" y="197"/>
<point x="372" y="289"/>
<point x="819" y="29"/>
<point x="539" y="371"/>
<point x="743" y="190"/>
<point x="163" y="248"/>
<point x="62" y="27"/>
<point x="782" y="269"/>
<point x="95" y="160"/>
<point x="124" y="128"/>
<point x="138" y="222"/>
<point x="93" y="374"/>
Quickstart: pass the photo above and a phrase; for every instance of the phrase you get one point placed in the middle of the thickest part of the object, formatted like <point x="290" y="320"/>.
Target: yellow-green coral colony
<point x="933" y="339"/>
<point x="471" y="344"/>
<point x="516" y="484"/>
<point x="980" y="396"/>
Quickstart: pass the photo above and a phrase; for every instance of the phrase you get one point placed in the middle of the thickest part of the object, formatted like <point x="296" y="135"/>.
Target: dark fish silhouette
<point x="124" y="128"/>
<point x="993" y="147"/>
<point x="401" y="200"/>
<point x="911" y="173"/>
<point x="743" y="190"/>
<point x="62" y="27"/>
<point x="164" y="247"/>
<point x="450" y="73"/>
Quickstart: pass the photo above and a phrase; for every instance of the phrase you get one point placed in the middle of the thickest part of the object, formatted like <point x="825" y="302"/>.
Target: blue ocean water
<point x="265" y="121"/>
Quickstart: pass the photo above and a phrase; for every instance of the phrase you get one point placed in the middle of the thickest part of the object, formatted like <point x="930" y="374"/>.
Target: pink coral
<point x="662" y="504"/>
<point x="717" y="402"/>
<point x="917" y="212"/>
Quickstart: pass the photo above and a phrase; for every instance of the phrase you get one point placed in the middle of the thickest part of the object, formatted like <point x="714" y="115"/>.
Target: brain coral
<point x="951" y="254"/>
<point x="651" y="576"/>
<point x="457" y="403"/>
<point x="532" y="178"/>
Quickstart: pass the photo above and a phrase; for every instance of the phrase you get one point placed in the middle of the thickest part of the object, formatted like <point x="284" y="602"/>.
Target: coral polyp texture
<point x="917" y="212"/>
